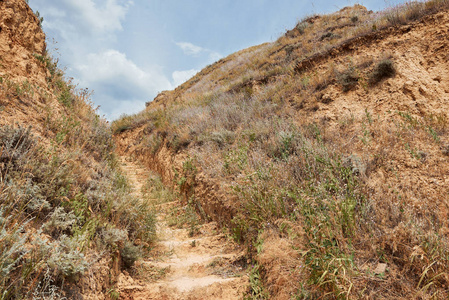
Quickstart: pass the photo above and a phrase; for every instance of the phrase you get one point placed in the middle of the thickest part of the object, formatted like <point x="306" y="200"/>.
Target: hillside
<point x="68" y="224"/>
<point x="324" y="152"/>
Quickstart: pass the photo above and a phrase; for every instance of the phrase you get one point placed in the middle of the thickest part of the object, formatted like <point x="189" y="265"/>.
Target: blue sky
<point x="127" y="51"/>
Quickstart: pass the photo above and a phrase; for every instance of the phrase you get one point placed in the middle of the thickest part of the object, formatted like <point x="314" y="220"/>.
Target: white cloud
<point x="77" y="20"/>
<point x="190" y="49"/>
<point x="86" y="32"/>
<point x="194" y="50"/>
<point x="116" y="79"/>
<point x="116" y="109"/>
<point x="180" y="77"/>
<point x="104" y="17"/>
<point x="112" y="65"/>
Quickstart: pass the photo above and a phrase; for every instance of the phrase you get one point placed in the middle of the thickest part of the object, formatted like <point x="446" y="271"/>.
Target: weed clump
<point x="383" y="69"/>
<point x="67" y="258"/>
<point x="129" y="254"/>
<point x="301" y="27"/>
<point x="348" y="79"/>
<point x="329" y="36"/>
<point x="15" y="144"/>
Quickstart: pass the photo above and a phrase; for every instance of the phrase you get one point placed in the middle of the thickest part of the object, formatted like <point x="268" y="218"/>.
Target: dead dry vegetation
<point x="329" y="146"/>
<point x="68" y="224"/>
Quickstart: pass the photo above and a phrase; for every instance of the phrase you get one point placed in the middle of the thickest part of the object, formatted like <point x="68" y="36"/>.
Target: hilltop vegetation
<point x="68" y="224"/>
<point x="323" y="152"/>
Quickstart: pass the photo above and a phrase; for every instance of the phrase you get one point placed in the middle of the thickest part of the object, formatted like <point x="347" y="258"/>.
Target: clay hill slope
<point x="324" y="152"/>
<point x="66" y="216"/>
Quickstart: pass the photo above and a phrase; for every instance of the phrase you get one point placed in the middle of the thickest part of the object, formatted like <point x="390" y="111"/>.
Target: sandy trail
<point x="204" y="266"/>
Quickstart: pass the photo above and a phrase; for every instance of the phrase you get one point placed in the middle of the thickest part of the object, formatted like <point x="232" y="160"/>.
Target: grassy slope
<point x="329" y="145"/>
<point x="67" y="222"/>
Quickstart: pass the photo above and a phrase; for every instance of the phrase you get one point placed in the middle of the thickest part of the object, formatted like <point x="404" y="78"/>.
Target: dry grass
<point x="331" y="197"/>
<point x="64" y="204"/>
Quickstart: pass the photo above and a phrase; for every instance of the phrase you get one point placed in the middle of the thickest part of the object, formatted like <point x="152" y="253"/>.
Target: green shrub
<point x="113" y="237"/>
<point x="59" y="221"/>
<point x="256" y="284"/>
<point x="67" y="257"/>
<point x="129" y="254"/>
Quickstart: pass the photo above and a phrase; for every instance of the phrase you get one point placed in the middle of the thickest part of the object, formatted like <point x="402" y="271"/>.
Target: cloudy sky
<point x="127" y="51"/>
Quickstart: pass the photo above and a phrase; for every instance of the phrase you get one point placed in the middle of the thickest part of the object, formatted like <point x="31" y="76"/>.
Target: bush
<point x="301" y="27"/>
<point x="129" y="254"/>
<point x="112" y="236"/>
<point x="348" y="79"/>
<point x="383" y="69"/>
<point x="12" y="243"/>
<point x="59" y="222"/>
<point x="15" y="145"/>
<point x="221" y="138"/>
<point x="67" y="257"/>
<point x="46" y="289"/>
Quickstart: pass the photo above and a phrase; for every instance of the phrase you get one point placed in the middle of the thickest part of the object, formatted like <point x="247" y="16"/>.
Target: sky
<point x="127" y="51"/>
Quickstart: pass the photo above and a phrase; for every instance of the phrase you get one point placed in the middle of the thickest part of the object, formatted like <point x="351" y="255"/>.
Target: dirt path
<point x="181" y="266"/>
